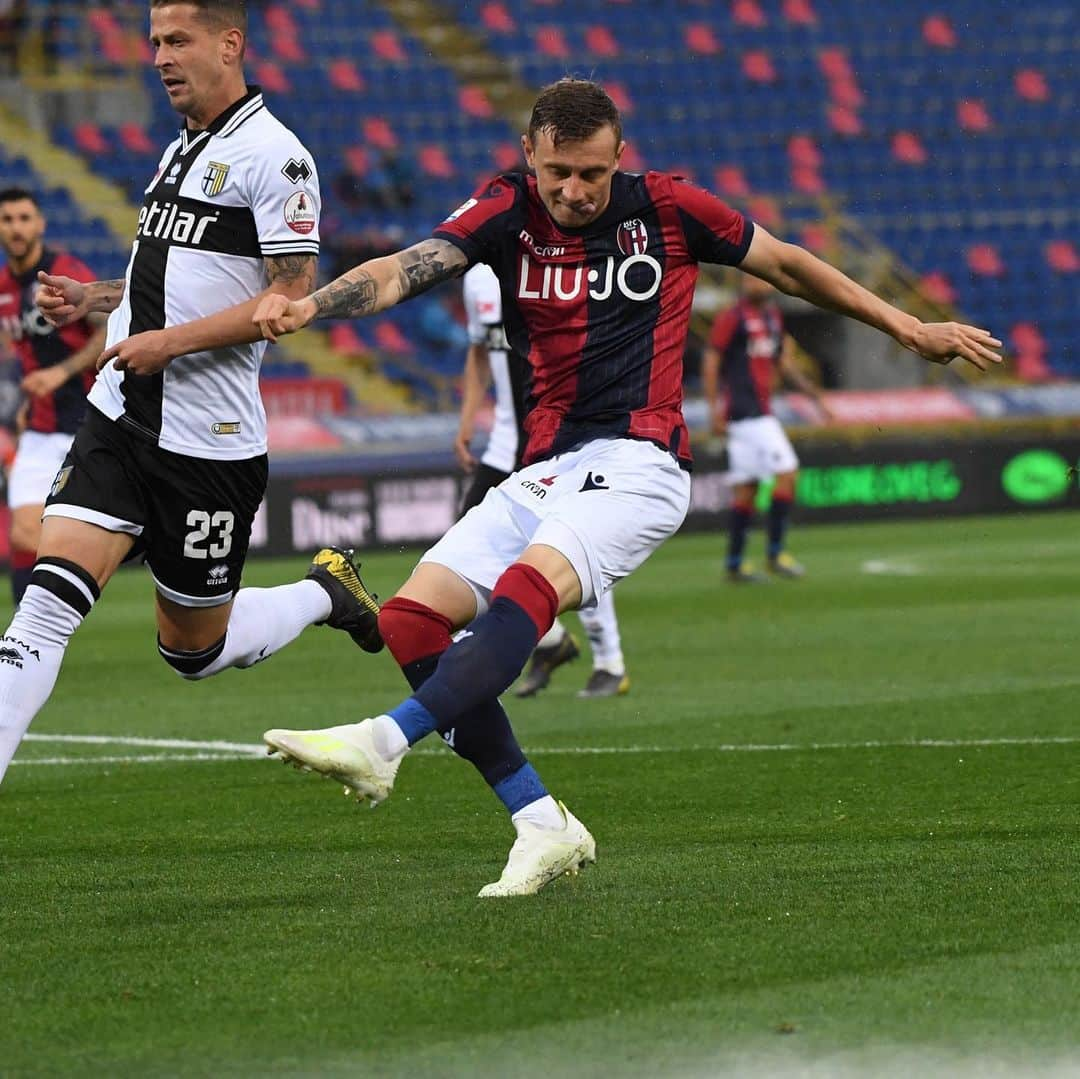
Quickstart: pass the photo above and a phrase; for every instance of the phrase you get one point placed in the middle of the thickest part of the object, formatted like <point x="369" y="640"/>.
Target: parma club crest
<point x="633" y="237"/>
<point x="214" y="179"/>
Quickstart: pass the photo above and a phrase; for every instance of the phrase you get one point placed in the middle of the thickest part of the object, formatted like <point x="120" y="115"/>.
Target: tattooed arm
<point x="367" y="289"/>
<point x="63" y="300"/>
<point x="291" y="276"/>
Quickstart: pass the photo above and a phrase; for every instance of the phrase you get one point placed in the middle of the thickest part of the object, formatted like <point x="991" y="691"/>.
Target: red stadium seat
<point x="803" y="151"/>
<point x="846" y="93"/>
<point x="309" y="5"/>
<point x="507" y="156"/>
<point x="1030" y="84"/>
<point x="345" y="75"/>
<point x="620" y="95"/>
<point x="600" y="41"/>
<point x="279" y="19"/>
<point x="816" y="238"/>
<point x="288" y="49"/>
<point x="757" y="66"/>
<point x="135" y="139"/>
<point x="1029" y="346"/>
<point x="937" y="288"/>
<point x="270" y="77"/>
<point x="550" y="42"/>
<point x="764" y="211"/>
<point x="632" y="161"/>
<point x="984" y="260"/>
<point x="89" y="139"/>
<point x="387" y="46"/>
<point x="731" y="182"/>
<point x="344" y="339"/>
<point x="835" y="65"/>
<point x="389" y="338"/>
<point x="973" y="116"/>
<point x="799" y="12"/>
<point x="844" y="120"/>
<point x="806" y="180"/>
<point x="497" y="18"/>
<point x="434" y="162"/>
<point x="475" y="102"/>
<point x="357" y="159"/>
<point x="938" y="31"/>
<point x="378" y="132"/>
<point x="747" y="13"/>
<point x="700" y="39"/>
<point x="907" y="147"/>
<point x="1061" y="256"/>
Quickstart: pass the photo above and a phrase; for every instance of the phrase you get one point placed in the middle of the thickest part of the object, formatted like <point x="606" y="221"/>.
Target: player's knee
<point x="59" y="596"/>
<point x="192" y="666"/>
<point x="412" y="630"/>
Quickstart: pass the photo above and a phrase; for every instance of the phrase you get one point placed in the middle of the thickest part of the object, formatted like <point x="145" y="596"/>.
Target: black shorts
<point x="484" y="478"/>
<point x="191" y="517"/>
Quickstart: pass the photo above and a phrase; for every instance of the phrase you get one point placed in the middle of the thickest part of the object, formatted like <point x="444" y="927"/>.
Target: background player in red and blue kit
<point x="597" y="270"/>
<point x="57" y="371"/>
<point x="746" y="351"/>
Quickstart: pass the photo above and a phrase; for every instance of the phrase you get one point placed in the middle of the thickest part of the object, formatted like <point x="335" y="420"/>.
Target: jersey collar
<point x="227" y="122"/>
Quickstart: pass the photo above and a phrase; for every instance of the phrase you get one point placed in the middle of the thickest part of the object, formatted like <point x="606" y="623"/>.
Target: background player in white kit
<point x="171" y="459"/>
<point x="490" y="362"/>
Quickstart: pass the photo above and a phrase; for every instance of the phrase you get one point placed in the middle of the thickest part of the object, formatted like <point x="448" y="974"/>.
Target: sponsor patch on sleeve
<point x="300" y="213"/>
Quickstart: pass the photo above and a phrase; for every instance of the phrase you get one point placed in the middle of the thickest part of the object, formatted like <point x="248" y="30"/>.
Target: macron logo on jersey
<point x="166" y="221"/>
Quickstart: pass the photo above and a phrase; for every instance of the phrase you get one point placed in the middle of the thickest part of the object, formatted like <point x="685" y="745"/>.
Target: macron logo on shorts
<point x="595" y="482"/>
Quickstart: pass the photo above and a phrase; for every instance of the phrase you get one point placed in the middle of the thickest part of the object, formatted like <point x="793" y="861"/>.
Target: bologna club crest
<point x="632" y="237"/>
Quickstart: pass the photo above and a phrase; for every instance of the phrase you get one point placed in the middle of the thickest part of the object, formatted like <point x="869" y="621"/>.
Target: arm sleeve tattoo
<point x="292" y="269"/>
<point x="418" y="269"/>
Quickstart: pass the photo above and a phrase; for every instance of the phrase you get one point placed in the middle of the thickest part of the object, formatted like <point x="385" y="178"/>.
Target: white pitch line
<point x="237" y="751"/>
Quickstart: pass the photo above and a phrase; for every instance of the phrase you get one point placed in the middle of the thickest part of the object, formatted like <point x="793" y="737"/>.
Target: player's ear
<point x="619" y="152"/>
<point x="232" y="46"/>
<point x="529" y="151"/>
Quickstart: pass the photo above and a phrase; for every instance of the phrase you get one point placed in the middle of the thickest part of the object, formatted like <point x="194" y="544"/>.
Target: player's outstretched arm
<point x="366" y="289"/>
<point x="63" y="300"/>
<point x="797" y="272"/>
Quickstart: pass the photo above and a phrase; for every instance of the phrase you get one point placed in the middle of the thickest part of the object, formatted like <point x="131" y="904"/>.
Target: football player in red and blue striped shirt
<point x="597" y="270"/>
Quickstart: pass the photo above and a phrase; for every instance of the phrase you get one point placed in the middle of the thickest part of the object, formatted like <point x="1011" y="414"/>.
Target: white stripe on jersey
<point x="218" y="206"/>
<point x="483" y="309"/>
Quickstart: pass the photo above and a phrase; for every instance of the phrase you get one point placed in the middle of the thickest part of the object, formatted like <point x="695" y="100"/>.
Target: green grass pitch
<point x="837" y="823"/>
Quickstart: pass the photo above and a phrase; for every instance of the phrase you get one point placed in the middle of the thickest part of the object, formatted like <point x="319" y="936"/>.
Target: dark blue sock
<point x="738" y="526"/>
<point x="483" y="737"/>
<point x="779" y="515"/>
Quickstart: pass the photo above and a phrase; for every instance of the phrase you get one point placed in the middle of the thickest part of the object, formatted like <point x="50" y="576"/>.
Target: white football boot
<point x="345" y="753"/>
<point x="539" y="855"/>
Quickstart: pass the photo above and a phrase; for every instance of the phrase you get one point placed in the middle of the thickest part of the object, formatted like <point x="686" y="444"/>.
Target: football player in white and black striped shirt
<point x="171" y="460"/>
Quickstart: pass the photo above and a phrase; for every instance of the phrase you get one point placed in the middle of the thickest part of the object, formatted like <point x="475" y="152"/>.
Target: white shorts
<point x="606" y="507"/>
<point x="758" y="449"/>
<point x="38" y="458"/>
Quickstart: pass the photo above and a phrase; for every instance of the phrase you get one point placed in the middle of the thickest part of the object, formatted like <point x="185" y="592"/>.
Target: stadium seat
<point x="764" y="211"/>
<point x="937" y="288"/>
<point x="388" y="336"/>
<point x="803" y="151"/>
<point x="807" y="180"/>
<point x="747" y="13"/>
<point x="345" y="339"/>
<point x="357" y="159"/>
<point x="938" y="31"/>
<point x="507" y="156"/>
<point x="135" y="139"/>
<point x="799" y="12"/>
<point x="844" y="120"/>
<point x="972" y="115"/>
<point x="344" y="75"/>
<point x="984" y="260"/>
<point x="550" y="42"/>
<point x="474" y="101"/>
<point x="497" y="18"/>
<point x="908" y="148"/>
<point x="1029" y="346"/>
<point x="386" y="45"/>
<point x="434" y="161"/>
<point x="730" y="182"/>
<point x="271" y="78"/>
<point x="600" y="41"/>
<point x="1062" y="257"/>
<point x="620" y="95"/>
<point x="90" y="140"/>
<point x="379" y="133"/>
<point x="757" y="66"/>
<point x="1031" y="85"/>
<point x="699" y="38"/>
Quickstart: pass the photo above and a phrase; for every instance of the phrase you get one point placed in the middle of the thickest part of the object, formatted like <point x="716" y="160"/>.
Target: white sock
<point x="544" y="813"/>
<point x="553" y="637"/>
<point x="32" y="650"/>
<point x="602" y="628"/>
<point x="390" y="740"/>
<point x="264" y="620"/>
